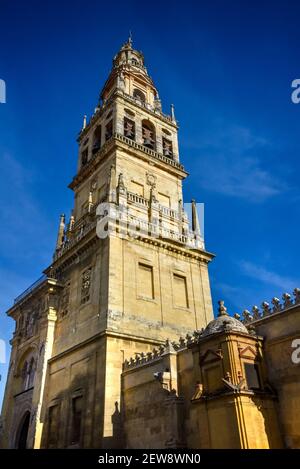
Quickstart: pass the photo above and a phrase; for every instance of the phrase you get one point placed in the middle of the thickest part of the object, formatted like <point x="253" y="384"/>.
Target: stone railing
<point x="169" y="212"/>
<point x="143" y="227"/>
<point x="146" y="106"/>
<point x="157" y="353"/>
<point x="266" y="310"/>
<point x="137" y="199"/>
<point x="30" y="289"/>
<point x="148" y="151"/>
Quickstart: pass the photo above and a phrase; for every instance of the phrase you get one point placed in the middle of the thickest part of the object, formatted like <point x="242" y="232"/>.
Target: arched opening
<point x="97" y="139"/>
<point x="139" y="95"/>
<point x="26" y="371"/>
<point x="148" y="134"/>
<point x="129" y="128"/>
<point x="21" y="440"/>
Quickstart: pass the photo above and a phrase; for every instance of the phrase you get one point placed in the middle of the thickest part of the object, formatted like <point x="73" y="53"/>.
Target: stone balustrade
<point x="267" y="309"/>
<point x="158" y="353"/>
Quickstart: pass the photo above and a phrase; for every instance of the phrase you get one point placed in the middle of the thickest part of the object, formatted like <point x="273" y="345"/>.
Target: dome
<point x="224" y="323"/>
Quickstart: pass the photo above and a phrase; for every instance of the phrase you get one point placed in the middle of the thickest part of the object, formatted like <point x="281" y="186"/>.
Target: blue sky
<point x="227" y="68"/>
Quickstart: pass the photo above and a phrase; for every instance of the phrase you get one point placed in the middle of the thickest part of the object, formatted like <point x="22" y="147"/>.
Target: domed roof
<point x="224" y="323"/>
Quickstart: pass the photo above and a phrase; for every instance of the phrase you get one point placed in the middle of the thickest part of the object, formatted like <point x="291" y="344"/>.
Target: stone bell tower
<point x="130" y="269"/>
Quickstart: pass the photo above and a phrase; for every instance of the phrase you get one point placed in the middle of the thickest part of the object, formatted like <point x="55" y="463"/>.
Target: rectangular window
<point x="77" y="409"/>
<point x="53" y="426"/>
<point x="252" y="375"/>
<point x="137" y="188"/>
<point x="180" y="291"/>
<point x="86" y="285"/>
<point x="145" y="281"/>
<point x="64" y="302"/>
<point x="164" y="199"/>
<point x="84" y="156"/>
<point x="101" y="193"/>
<point x="109" y="130"/>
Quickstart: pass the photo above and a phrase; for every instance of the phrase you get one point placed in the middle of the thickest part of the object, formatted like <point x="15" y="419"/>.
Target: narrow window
<point x="84" y="156"/>
<point x="86" y="285"/>
<point x="129" y="128"/>
<point x="97" y="140"/>
<point x="145" y="281"/>
<point x="109" y="130"/>
<point x="77" y="408"/>
<point x="64" y="305"/>
<point x="53" y="426"/>
<point x="252" y="375"/>
<point x="180" y="291"/>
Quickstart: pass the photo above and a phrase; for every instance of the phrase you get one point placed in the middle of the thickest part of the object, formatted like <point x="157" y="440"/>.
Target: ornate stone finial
<point x="296" y="294"/>
<point x="168" y="347"/>
<point x="247" y="316"/>
<point x="276" y="305"/>
<point x="266" y="308"/>
<point x="130" y="40"/>
<point x="237" y="316"/>
<point x="255" y="312"/>
<point x="173" y="113"/>
<point x="84" y="122"/>
<point x="61" y="231"/>
<point x="222" y="310"/>
<point x="287" y="300"/>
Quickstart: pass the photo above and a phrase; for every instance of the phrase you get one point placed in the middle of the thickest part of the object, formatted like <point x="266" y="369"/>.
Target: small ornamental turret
<point x="90" y="202"/>
<point x="173" y="113"/>
<point x="195" y="219"/>
<point x="61" y="232"/>
<point x="84" y="122"/>
<point x="72" y="222"/>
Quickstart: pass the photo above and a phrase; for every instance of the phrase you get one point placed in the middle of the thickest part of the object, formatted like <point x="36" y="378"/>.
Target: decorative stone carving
<point x="277" y="305"/>
<point x="255" y="312"/>
<point x="296" y="294"/>
<point x="287" y="302"/>
<point x="266" y="308"/>
<point x="247" y="316"/>
<point x="86" y="285"/>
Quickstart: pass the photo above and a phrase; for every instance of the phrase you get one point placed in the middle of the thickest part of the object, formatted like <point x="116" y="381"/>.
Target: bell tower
<point x="130" y="269"/>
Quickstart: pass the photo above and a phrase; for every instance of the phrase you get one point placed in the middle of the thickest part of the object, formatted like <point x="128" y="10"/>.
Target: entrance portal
<point x="21" y="440"/>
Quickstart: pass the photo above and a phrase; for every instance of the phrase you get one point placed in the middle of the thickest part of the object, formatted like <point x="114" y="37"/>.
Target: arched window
<point x="167" y="147"/>
<point x="31" y="372"/>
<point x="129" y="128"/>
<point x="139" y="95"/>
<point x="96" y="139"/>
<point x="27" y="373"/>
<point x="148" y="134"/>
